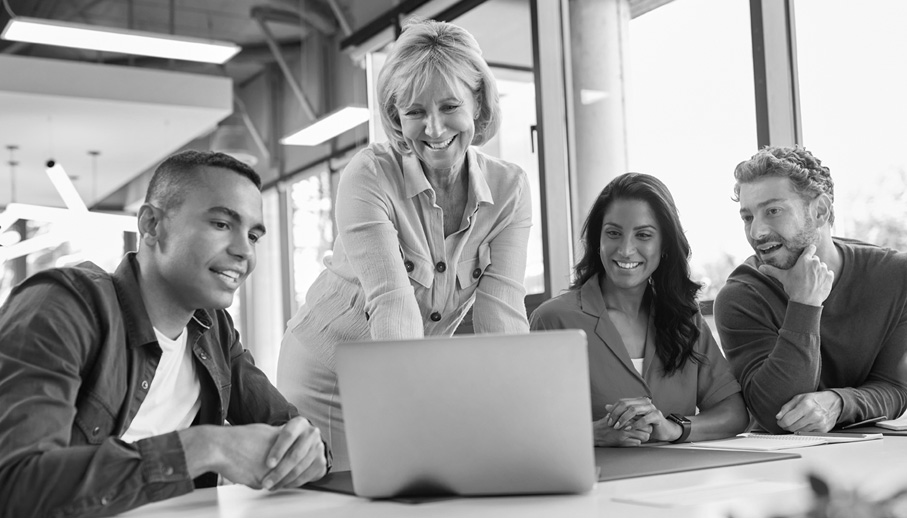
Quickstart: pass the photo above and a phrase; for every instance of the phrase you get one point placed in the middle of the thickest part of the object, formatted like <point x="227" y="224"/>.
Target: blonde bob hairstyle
<point x="426" y="48"/>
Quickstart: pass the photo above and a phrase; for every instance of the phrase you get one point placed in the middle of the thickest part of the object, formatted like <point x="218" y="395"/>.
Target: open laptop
<point x="468" y="415"/>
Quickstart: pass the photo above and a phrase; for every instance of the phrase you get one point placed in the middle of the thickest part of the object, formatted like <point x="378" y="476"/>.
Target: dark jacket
<point x="77" y="355"/>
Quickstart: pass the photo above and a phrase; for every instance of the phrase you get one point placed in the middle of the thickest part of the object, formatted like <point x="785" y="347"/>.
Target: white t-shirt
<point x="173" y="398"/>
<point x="638" y="364"/>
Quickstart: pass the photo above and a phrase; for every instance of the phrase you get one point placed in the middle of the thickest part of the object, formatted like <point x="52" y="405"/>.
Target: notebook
<point x="468" y="415"/>
<point x="894" y="424"/>
<point x="768" y="442"/>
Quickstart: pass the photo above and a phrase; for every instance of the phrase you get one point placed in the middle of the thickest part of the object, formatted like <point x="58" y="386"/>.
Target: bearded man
<point x="814" y="326"/>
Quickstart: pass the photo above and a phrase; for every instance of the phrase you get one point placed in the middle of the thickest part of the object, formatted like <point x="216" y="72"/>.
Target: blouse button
<point x="476" y="273"/>
<point x="409" y="265"/>
<point x="203" y="355"/>
<point x="441" y="267"/>
<point x="435" y="317"/>
<point x="144" y="385"/>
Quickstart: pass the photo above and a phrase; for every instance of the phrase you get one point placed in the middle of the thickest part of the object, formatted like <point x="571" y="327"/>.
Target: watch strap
<point x="685" y="424"/>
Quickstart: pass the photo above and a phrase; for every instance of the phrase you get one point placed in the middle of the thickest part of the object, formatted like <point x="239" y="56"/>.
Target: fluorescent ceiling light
<point x="64" y="187"/>
<point x="121" y="222"/>
<point x="9" y="238"/>
<point x="123" y="41"/>
<point x="328" y="127"/>
<point x="30" y="246"/>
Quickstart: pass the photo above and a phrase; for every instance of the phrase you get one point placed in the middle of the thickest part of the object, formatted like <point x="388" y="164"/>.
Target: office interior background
<point x="681" y="89"/>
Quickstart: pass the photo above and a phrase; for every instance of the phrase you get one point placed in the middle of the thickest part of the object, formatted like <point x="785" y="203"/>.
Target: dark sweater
<point x="854" y="344"/>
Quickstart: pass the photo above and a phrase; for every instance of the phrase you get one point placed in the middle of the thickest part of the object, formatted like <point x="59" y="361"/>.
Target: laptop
<point x="468" y="415"/>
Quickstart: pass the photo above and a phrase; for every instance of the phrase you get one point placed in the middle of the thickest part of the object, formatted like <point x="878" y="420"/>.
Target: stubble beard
<point x="806" y="236"/>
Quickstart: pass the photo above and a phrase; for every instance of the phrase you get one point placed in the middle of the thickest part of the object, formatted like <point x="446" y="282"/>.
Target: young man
<point x="113" y="387"/>
<point x="814" y="326"/>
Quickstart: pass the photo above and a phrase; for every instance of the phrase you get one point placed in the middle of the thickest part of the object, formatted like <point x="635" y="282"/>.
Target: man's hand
<point x="810" y="412"/>
<point x="808" y="282"/>
<point x="297" y="456"/>
<point x="236" y="452"/>
<point x="257" y="455"/>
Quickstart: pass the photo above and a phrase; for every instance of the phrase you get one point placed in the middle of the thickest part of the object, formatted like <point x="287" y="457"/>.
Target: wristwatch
<point x="684" y="423"/>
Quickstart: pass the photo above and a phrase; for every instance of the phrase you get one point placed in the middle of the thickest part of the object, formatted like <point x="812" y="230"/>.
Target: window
<point x="312" y="228"/>
<point x="691" y="121"/>
<point x="853" y="110"/>
<point x="514" y="143"/>
<point x="67" y="246"/>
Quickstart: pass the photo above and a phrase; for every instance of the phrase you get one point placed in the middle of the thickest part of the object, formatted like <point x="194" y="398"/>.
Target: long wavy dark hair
<point x="672" y="292"/>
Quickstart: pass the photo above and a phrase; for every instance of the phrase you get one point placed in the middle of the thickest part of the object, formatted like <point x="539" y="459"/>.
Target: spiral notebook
<point x="768" y="442"/>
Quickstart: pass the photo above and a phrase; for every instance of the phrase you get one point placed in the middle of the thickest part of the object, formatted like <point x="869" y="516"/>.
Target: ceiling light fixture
<point x="232" y="138"/>
<point x="122" y="41"/>
<point x="30" y="246"/>
<point x="64" y="186"/>
<point x="9" y="238"/>
<point x="328" y="127"/>
<point x="66" y="216"/>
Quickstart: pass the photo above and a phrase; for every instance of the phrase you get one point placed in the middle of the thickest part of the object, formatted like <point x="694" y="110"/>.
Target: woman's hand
<point x="633" y="434"/>
<point x="639" y="413"/>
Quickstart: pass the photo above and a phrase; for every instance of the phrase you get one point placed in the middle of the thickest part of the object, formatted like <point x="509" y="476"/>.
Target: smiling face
<point x="439" y="124"/>
<point x="777" y="221"/>
<point x="205" y="247"/>
<point x="631" y="242"/>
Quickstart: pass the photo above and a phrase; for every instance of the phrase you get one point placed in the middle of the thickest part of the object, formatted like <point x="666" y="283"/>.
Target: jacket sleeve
<point x="253" y="399"/>
<point x="370" y="238"/>
<point x="773" y="347"/>
<point x="715" y="381"/>
<point x="500" y="296"/>
<point x="49" y="335"/>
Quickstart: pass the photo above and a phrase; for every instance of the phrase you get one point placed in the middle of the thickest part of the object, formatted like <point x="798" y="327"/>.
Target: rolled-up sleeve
<point x="500" y="296"/>
<point x="366" y="227"/>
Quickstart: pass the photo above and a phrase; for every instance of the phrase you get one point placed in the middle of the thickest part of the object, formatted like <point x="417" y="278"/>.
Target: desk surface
<point x="876" y="468"/>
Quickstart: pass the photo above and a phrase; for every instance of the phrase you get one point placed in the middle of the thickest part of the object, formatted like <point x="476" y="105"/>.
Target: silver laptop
<point x="470" y="415"/>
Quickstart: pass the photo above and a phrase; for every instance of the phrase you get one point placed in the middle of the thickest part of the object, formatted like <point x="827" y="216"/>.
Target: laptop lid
<point x="468" y="415"/>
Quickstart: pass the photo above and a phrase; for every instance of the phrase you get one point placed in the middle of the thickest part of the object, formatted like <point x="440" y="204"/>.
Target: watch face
<point x="679" y="419"/>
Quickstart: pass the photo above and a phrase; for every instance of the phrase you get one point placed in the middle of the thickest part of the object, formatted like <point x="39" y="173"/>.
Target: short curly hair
<point x="806" y="172"/>
<point x="426" y="48"/>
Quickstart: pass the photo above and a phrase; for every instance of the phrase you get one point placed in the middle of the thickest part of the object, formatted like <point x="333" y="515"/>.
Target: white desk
<point x="875" y="467"/>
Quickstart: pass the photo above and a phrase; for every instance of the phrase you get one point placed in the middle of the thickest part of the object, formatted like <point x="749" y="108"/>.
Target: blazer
<point x="611" y="373"/>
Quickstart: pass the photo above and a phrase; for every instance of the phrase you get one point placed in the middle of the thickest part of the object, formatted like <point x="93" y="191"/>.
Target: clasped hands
<point x="273" y="457"/>
<point x="631" y="422"/>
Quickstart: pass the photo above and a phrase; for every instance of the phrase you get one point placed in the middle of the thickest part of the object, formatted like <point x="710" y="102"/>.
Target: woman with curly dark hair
<point x="656" y="372"/>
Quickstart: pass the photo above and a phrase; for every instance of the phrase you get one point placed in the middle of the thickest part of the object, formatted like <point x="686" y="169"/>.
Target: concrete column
<point x="599" y="38"/>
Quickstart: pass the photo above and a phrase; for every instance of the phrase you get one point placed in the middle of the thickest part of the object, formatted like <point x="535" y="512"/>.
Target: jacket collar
<point x="139" y="331"/>
<point x="415" y="181"/>
<point x="592" y="302"/>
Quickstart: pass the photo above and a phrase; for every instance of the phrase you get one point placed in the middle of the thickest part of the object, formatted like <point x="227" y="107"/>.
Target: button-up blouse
<point x="394" y="275"/>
